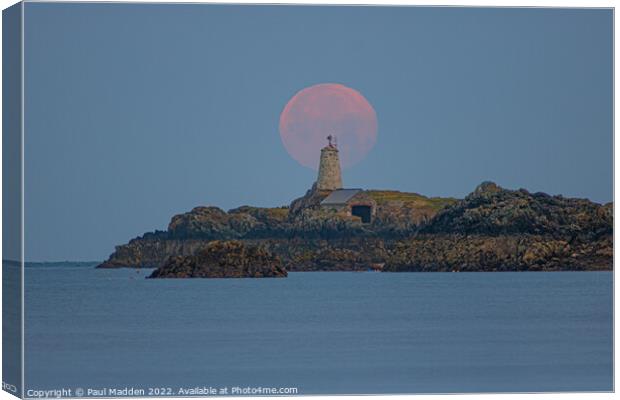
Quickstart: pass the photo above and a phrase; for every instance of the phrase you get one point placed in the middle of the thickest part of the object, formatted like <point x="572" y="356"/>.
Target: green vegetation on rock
<point x="411" y="200"/>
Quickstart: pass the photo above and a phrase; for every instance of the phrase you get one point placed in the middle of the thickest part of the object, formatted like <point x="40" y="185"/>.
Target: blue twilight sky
<point x="136" y="112"/>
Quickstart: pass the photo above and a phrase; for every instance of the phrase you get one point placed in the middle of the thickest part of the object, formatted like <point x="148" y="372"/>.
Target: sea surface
<point x="321" y="333"/>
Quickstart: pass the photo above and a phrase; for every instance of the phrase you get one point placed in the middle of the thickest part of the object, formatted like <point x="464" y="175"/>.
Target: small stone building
<point x="353" y="202"/>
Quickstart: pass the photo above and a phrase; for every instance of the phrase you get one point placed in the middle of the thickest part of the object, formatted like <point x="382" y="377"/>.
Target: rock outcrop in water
<point x="492" y="229"/>
<point x="223" y="259"/>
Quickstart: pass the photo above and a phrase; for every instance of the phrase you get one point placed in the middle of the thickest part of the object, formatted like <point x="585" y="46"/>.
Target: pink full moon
<point x="328" y="109"/>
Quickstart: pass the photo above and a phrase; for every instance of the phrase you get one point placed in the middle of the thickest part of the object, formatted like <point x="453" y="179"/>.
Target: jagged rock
<point x="491" y="210"/>
<point x="223" y="259"/>
<point x="150" y="251"/>
<point x="267" y="222"/>
<point x="401" y="214"/>
<point x="351" y="254"/>
<point x="440" y="252"/>
<point x="310" y="201"/>
<point x="209" y="223"/>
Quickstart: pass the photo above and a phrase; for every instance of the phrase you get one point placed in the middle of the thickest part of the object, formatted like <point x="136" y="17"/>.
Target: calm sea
<point x="319" y="332"/>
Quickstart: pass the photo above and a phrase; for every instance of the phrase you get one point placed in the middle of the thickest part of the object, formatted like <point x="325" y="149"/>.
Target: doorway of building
<point x="364" y="212"/>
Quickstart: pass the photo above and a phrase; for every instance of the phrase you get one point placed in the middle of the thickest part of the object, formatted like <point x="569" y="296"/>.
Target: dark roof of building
<point x="340" y="196"/>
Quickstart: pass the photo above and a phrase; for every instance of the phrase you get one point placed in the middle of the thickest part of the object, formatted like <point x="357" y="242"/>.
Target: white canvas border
<point x="479" y="3"/>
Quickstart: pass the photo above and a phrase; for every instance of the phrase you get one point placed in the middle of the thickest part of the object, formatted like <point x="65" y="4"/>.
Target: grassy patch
<point x="413" y="200"/>
<point x="278" y="213"/>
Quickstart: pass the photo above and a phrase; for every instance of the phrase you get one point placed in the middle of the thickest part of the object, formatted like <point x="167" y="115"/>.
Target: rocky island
<point x="335" y="229"/>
